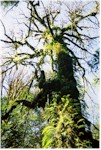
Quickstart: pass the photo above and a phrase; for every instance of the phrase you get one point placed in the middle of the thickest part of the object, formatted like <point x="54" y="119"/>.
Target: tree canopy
<point x="57" y="43"/>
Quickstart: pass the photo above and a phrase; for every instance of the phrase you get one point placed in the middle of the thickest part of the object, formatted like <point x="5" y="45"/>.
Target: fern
<point x="61" y="130"/>
<point x="48" y="136"/>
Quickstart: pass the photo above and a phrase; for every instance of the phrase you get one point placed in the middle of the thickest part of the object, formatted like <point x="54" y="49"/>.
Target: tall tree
<point x="65" y="40"/>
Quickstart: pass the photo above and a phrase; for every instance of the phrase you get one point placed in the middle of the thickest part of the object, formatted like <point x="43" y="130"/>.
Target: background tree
<point x="69" y="48"/>
<point x="20" y="129"/>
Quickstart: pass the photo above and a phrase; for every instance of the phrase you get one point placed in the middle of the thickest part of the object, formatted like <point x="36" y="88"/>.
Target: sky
<point x="10" y="22"/>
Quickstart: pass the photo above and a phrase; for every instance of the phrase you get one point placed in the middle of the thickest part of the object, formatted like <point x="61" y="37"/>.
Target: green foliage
<point x="61" y="130"/>
<point x="4" y="103"/>
<point x="96" y="81"/>
<point x="22" y="129"/>
<point x="8" y="3"/>
<point x="95" y="132"/>
<point x="48" y="133"/>
<point x="23" y="125"/>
